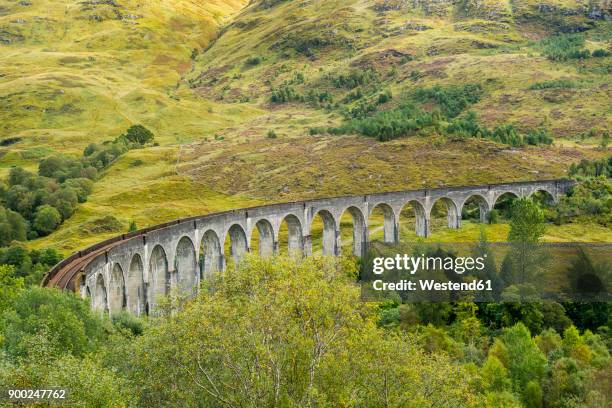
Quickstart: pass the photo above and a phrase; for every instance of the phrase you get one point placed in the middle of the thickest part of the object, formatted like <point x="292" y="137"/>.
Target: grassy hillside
<point x="235" y="92"/>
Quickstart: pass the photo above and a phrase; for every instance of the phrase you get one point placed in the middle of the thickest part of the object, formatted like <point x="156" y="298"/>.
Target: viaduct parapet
<point x="133" y="270"/>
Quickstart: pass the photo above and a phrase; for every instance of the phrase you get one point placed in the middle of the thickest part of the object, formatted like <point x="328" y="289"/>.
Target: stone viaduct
<point x="133" y="270"/>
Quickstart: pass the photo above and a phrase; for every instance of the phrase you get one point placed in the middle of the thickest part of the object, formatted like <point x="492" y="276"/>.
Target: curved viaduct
<point x="133" y="270"/>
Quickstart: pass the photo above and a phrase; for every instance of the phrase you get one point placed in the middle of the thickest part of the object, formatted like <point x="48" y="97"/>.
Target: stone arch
<point x="390" y="233"/>
<point x="421" y="226"/>
<point x="100" y="298"/>
<point x="543" y="196"/>
<point x="502" y="202"/>
<point x="238" y="244"/>
<point x="328" y="244"/>
<point x="295" y="234"/>
<point x="116" y="290"/>
<point x="136" y="294"/>
<point x="453" y="217"/>
<point x="266" y="244"/>
<point x="359" y="230"/>
<point x="186" y="266"/>
<point x="476" y="200"/>
<point x="158" y="269"/>
<point x="211" y="254"/>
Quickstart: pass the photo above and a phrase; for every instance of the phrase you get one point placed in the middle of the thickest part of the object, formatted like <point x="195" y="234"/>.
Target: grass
<point x="67" y="80"/>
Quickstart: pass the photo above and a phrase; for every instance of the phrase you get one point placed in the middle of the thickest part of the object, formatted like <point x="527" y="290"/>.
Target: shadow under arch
<point x="445" y="205"/>
<point x="136" y="294"/>
<point x="211" y="254"/>
<point x="543" y="197"/>
<point x="263" y="238"/>
<point x="291" y="228"/>
<point x="354" y="216"/>
<point x="158" y="269"/>
<point x="100" y="298"/>
<point x="475" y="207"/>
<point x="388" y="227"/>
<point x="236" y="243"/>
<point x="186" y="266"/>
<point x="116" y="290"/>
<point x="413" y="216"/>
<point x="328" y="234"/>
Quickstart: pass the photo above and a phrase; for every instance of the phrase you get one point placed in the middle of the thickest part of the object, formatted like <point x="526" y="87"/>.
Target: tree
<point x="525" y="259"/>
<point x="46" y="219"/>
<point x="10" y="286"/>
<point x="526" y="222"/>
<point x="61" y="320"/>
<point x="525" y="361"/>
<point x="139" y="134"/>
<point x="316" y="346"/>
<point x="12" y="227"/>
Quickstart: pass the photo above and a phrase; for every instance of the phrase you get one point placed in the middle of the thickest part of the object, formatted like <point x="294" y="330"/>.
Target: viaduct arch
<point x="134" y="270"/>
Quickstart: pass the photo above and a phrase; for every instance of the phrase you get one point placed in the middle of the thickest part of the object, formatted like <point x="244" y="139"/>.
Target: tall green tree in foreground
<point x="288" y="333"/>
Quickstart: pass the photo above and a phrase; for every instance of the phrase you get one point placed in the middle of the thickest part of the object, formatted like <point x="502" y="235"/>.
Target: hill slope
<point x="246" y="118"/>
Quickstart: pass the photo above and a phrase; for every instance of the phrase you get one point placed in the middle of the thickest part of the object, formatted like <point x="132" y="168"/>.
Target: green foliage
<point x="10" y="286"/>
<point x="600" y="53"/>
<point x="46" y="219"/>
<point x="554" y="84"/>
<point x="271" y="134"/>
<point x="564" y="47"/>
<point x="451" y="100"/>
<point x="390" y="124"/>
<point x="132" y="227"/>
<point x="356" y="78"/>
<point x="284" y="94"/>
<point x="592" y="168"/>
<point x="317" y="344"/>
<point x="525" y="362"/>
<point x="527" y="222"/>
<point x="590" y="198"/>
<point x="65" y="322"/>
<point x="253" y="61"/>
<point x="13" y="227"/>
<point x="139" y="134"/>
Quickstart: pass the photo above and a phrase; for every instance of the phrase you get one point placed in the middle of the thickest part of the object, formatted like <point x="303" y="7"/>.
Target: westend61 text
<point x="432" y="285"/>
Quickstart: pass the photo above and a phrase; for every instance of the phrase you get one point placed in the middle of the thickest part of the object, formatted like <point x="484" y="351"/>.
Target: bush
<point x="452" y="100"/>
<point x="139" y="134"/>
<point x="253" y="61"/>
<point x="63" y="320"/>
<point x="554" y="84"/>
<point x="13" y="227"/>
<point x="285" y="94"/>
<point x="600" y="52"/>
<point x="46" y="219"/>
<point x="355" y="78"/>
<point x="564" y="47"/>
<point x="271" y="134"/>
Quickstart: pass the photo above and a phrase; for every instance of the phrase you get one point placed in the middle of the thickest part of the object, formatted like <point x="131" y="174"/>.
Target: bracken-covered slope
<point x="240" y="95"/>
<point x="74" y="72"/>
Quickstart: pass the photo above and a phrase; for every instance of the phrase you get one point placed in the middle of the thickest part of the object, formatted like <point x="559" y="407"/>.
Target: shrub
<point x="46" y="219"/>
<point x="554" y="84"/>
<point x="355" y="78"/>
<point x="452" y="100"/>
<point x="139" y="134"/>
<point x="564" y="47"/>
<point x="285" y="93"/>
<point x="253" y="61"/>
<point x="271" y="134"/>
<point x="13" y="227"/>
<point x="600" y="52"/>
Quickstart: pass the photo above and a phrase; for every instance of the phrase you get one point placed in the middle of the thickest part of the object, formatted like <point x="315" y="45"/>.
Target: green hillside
<point x="266" y="101"/>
